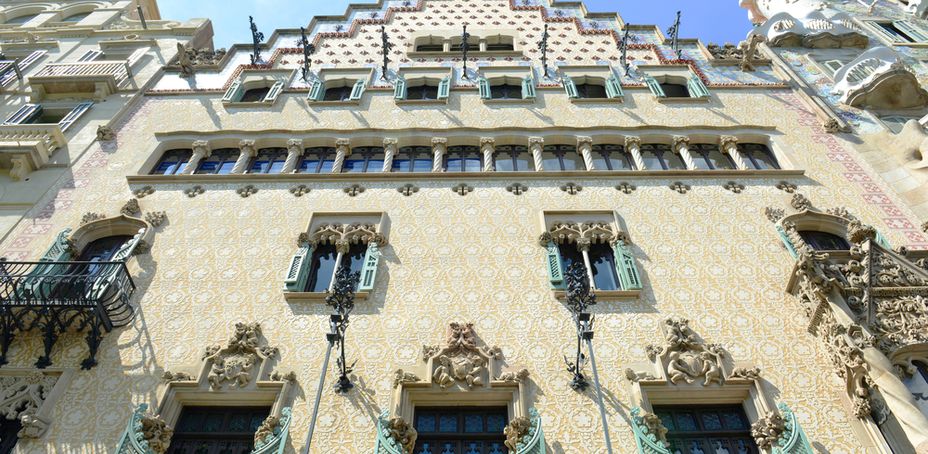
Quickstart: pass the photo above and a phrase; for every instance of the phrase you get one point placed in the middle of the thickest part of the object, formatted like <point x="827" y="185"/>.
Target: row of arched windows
<point x="72" y="18"/>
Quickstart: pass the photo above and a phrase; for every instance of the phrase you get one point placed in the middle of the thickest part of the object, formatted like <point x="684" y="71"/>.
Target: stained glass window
<point x="460" y="430"/>
<point x="707" y="430"/>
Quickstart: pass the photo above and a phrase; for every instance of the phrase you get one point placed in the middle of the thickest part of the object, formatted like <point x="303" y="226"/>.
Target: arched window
<point x="463" y="159"/>
<point x="341" y="93"/>
<point x="317" y="160"/>
<point x="364" y="160"/>
<point x="659" y="156"/>
<point x="505" y="90"/>
<point x="672" y="90"/>
<point x="102" y="249"/>
<point x="219" y="162"/>
<point x="758" y="156"/>
<point x="512" y="158"/>
<point x="611" y="157"/>
<point x="707" y="156"/>
<point x="824" y="241"/>
<point x="422" y="92"/>
<point x="561" y="158"/>
<point x="413" y="159"/>
<point x="255" y="94"/>
<point x="19" y="20"/>
<point x="172" y="162"/>
<point x="269" y="160"/>
<point x="75" y="18"/>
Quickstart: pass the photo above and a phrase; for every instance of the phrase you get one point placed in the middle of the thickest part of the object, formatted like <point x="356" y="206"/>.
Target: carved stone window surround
<point x="25" y="385"/>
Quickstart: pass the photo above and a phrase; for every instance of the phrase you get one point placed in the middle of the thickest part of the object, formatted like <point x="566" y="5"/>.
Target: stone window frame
<point x="488" y="76"/>
<point x="25" y="10"/>
<point x="273" y="79"/>
<point x="683" y="75"/>
<point x="446" y="36"/>
<point x="38" y="413"/>
<point x="298" y="267"/>
<point x="836" y="222"/>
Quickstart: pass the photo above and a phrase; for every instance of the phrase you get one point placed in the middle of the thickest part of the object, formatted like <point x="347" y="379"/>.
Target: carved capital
<point x="247" y="147"/>
<point x="632" y="141"/>
<point x="295" y="145"/>
<point x="680" y="142"/>
<point x="343" y="146"/>
<point x="439" y="141"/>
<point x="728" y="144"/>
<point x="389" y="142"/>
<point x="584" y="141"/>
<point x="536" y="141"/>
<point x="201" y="147"/>
<point x="491" y="141"/>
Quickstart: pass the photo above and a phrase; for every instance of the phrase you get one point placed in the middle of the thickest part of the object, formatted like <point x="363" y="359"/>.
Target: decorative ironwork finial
<point x="387" y="47"/>
<point x="256" y="38"/>
<point x="674" y="32"/>
<point x="341" y="298"/>
<point x="623" y="48"/>
<point x="465" y="46"/>
<point x="543" y="47"/>
<point x="308" y="50"/>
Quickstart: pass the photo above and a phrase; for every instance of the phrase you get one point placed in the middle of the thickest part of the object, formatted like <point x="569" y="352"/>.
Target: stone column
<point x="200" y="150"/>
<point x="488" y="147"/>
<point x="585" y="148"/>
<point x="583" y="244"/>
<point x="729" y="146"/>
<point x="633" y="147"/>
<point x="536" y="145"/>
<point x="342" y="151"/>
<point x="389" y="151"/>
<point x="246" y="152"/>
<point x="439" y="147"/>
<point x="681" y="147"/>
<point x="294" y="151"/>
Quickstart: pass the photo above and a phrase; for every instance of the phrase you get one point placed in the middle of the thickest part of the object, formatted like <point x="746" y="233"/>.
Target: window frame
<point x="367" y="153"/>
<point x="224" y="156"/>
<point x="700" y="153"/>
<point x="274" y="155"/>
<point x="659" y="150"/>
<point x="464" y="153"/>
<point x="322" y="154"/>
<point x="513" y="152"/>
<point x="560" y="151"/>
<point x="181" y="164"/>
<point x="607" y="156"/>
<point x="412" y="154"/>
<point x="460" y="437"/>
<point x="747" y="150"/>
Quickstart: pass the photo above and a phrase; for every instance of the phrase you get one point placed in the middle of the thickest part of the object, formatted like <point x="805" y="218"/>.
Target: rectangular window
<point x="172" y="162"/>
<point x="324" y="262"/>
<point x="602" y="261"/>
<point x="512" y="158"/>
<point x="217" y="429"/>
<point x="703" y="430"/>
<point x="461" y="430"/>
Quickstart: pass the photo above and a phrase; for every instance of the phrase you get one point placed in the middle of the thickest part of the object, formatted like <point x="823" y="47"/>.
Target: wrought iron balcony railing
<point x="55" y="297"/>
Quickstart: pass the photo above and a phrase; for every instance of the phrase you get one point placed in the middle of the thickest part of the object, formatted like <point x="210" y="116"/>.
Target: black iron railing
<point x="55" y="297"/>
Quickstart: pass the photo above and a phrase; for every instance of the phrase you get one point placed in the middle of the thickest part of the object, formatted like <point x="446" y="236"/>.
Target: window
<point x="506" y="88"/>
<point x="589" y="87"/>
<point x="38" y="114"/>
<point x="461" y="430"/>
<point x="268" y="92"/>
<point x="895" y="123"/>
<point x="512" y="158"/>
<point x="602" y="260"/>
<point x="506" y="91"/>
<point x="704" y="430"/>
<point x="561" y="158"/>
<point x="255" y="94"/>
<point x="337" y="94"/>
<point x="172" y="162"/>
<point x="660" y="157"/>
<point x="709" y="157"/>
<point x="103" y="249"/>
<point x="917" y="385"/>
<point x="338" y="89"/>
<point x="669" y="86"/>
<point x="430" y="44"/>
<point x="422" y="92"/>
<point x="591" y="91"/>
<point x="269" y="160"/>
<point x="611" y="157"/>
<point x="900" y="31"/>
<point x="75" y="18"/>
<point x="217" y="429"/>
<point x="463" y="159"/>
<point x="219" y="162"/>
<point x="317" y="160"/>
<point x="324" y="262"/>
<point x="364" y="160"/>
<point x="19" y="20"/>
<point x="9" y="434"/>
<point x="758" y="156"/>
<point x="500" y="43"/>
<point x="824" y="241"/>
<point x="413" y="159"/>
<point x="672" y="90"/>
<point x="473" y="44"/>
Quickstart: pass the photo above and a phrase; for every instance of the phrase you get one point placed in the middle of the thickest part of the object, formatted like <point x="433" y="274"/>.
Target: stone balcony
<point x="27" y="147"/>
<point x="878" y="79"/>
<point x="94" y="79"/>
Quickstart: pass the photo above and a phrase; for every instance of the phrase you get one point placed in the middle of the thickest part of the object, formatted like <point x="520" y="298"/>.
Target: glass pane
<point x="212" y="423"/>
<point x="400" y="165"/>
<point x="326" y="166"/>
<point x="686" y="422"/>
<point x="591" y="91"/>
<point x="651" y="161"/>
<point x="321" y="268"/>
<point x="276" y="166"/>
<point x="226" y="167"/>
<point x="422" y="165"/>
<point x="454" y="165"/>
<point x="448" y="423"/>
<point x="426" y="422"/>
<point x="496" y="448"/>
<point x="426" y="448"/>
<point x="719" y="160"/>
<point x="239" y="423"/>
<point x="733" y="420"/>
<point x="667" y="420"/>
<point x="569" y="255"/>
<point x="573" y="161"/>
<point x="673" y="161"/>
<point x="473" y="423"/>
<point x="472" y="164"/>
<point x="260" y="166"/>
<point x="711" y="421"/>
<point x="473" y="447"/>
<point x="763" y="161"/>
<point x="602" y="260"/>
<point x="496" y="423"/>
<point x="207" y="167"/>
<point x="353" y="166"/>
<point x="550" y="162"/>
<point x="355" y="256"/>
<point x="700" y="161"/>
<point x="448" y="448"/>
<point x="308" y="165"/>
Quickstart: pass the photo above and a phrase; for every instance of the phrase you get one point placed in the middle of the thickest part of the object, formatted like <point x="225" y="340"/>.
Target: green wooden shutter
<point x="358" y="90"/>
<point x="697" y="88"/>
<point x="25" y="113"/>
<point x="614" y="87"/>
<point x="912" y="30"/>
<point x="369" y="268"/>
<point x="555" y="270"/>
<point x="570" y="87"/>
<point x="234" y="93"/>
<point x="484" y="85"/>
<point x="298" y="271"/>
<point x="528" y="88"/>
<point x="654" y="86"/>
<point x="74" y="115"/>
<point x="399" y="89"/>
<point x="274" y="92"/>
<point x="60" y="251"/>
<point x="317" y="91"/>
<point x="882" y="241"/>
<point x="786" y="242"/>
<point x="444" y="88"/>
<point x="626" y="267"/>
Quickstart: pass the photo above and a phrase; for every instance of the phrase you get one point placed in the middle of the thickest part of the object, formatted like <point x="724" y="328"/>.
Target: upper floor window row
<point x="583" y="156"/>
<point x="492" y="43"/>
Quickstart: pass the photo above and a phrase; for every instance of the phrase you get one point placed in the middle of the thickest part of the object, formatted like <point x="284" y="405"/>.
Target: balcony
<point x="27" y="147"/>
<point x="56" y="297"/>
<point x="878" y="79"/>
<point x="96" y="78"/>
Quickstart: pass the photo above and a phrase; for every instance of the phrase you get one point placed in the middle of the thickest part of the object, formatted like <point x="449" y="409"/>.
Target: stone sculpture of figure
<point x="156" y="433"/>
<point x="515" y="431"/>
<point x="186" y="65"/>
<point x="710" y="368"/>
<point x="403" y="433"/>
<point x="266" y="430"/>
<point x="749" y="51"/>
<point x="443" y="375"/>
<point x="105" y="133"/>
<point x="475" y="375"/>
<point x="462" y="336"/>
<point x="678" y="368"/>
<point x="768" y="430"/>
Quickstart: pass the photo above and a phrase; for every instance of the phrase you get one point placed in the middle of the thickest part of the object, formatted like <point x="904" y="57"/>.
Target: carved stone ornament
<point x="156" y="432"/>
<point x="156" y="218"/>
<point x="685" y="358"/>
<point x="344" y="235"/>
<point x="768" y="430"/>
<point x="403" y="434"/>
<point x="131" y="208"/>
<point x="401" y="376"/>
<point x="143" y="192"/>
<point x="90" y="217"/>
<point x="169" y="376"/>
<point x="650" y="430"/>
<point x="22" y="398"/>
<point x="774" y="214"/>
<point x="462" y="361"/>
<point x="105" y="133"/>
<point x="514" y="377"/>
<point x="582" y="234"/>
<point x="634" y="376"/>
<point x="745" y="373"/>
<point x="799" y="202"/>
<point x="236" y="363"/>
<point x="515" y="431"/>
<point x="680" y="187"/>
<point x="266" y="429"/>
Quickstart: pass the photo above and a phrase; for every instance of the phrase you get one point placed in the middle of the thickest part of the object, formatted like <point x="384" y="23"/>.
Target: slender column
<point x="389" y="151"/>
<point x="439" y="147"/>
<point x="536" y="146"/>
<point x="585" y="148"/>
<point x="342" y="151"/>
<point x="681" y="147"/>
<point x="633" y="147"/>
<point x="246" y="152"/>
<point x="488" y="146"/>
<point x="200" y="150"/>
<point x="583" y="244"/>
<point x="729" y="145"/>
<point x="294" y="151"/>
<point x="341" y="247"/>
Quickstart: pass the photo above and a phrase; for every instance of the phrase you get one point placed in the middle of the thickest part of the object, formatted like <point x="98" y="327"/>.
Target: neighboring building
<point x="67" y="69"/>
<point x="186" y="291"/>
<point x="865" y="63"/>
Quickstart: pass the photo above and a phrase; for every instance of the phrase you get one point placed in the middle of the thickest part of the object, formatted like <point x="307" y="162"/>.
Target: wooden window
<point x="463" y="159"/>
<point x="217" y="430"/>
<point x="506" y="91"/>
<point x="269" y="160"/>
<point x="707" y="156"/>
<point x="317" y="160"/>
<point x="364" y="160"/>
<point x="512" y="158"/>
<point x="413" y="159"/>
<point x="172" y="162"/>
<point x="824" y="241"/>
<point x="423" y="92"/>
<point x="660" y="157"/>
<point x="672" y="90"/>
<point x="461" y="430"/>
<point x="704" y="430"/>
<point x="255" y="94"/>
<point x="611" y="157"/>
<point x="103" y="249"/>
<point x="758" y="156"/>
<point x="602" y="261"/>
<point x="561" y="158"/>
<point x="219" y="162"/>
<point x="338" y="93"/>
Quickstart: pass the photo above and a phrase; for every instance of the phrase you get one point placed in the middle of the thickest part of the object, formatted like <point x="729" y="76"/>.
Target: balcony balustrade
<point x="99" y="78"/>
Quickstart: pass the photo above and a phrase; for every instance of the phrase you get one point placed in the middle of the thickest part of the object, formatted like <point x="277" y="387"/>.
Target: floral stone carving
<point x="145" y="434"/>
<point x="22" y="396"/>
<point x="462" y="361"/>
<point x="685" y="358"/>
<point x="235" y="363"/>
<point x="515" y="431"/>
<point x="768" y="430"/>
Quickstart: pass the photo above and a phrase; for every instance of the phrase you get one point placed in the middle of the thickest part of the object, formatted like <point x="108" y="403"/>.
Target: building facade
<point x="550" y="232"/>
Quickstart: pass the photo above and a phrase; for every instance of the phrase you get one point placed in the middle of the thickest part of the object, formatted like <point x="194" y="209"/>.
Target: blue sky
<point x="709" y="20"/>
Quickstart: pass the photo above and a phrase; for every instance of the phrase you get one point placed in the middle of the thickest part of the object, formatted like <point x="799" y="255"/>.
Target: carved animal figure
<point x="403" y="434"/>
<point x="515" y="431"/>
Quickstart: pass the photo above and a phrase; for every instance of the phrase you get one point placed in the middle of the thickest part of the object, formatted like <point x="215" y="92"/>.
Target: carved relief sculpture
<point x="22" y="397"/>
<point x="461" y="361"/>
<point x="687" y="359"/>
<point x="236" y="362"/>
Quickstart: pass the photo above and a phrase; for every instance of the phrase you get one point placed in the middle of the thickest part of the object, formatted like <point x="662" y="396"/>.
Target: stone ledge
<point x="317" y="297"/>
